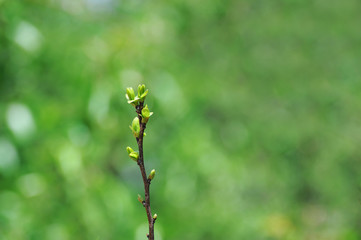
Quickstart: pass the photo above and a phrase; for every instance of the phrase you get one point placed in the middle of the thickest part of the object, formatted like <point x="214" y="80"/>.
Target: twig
<point x="138" y="127"/>
<point x="146" y="181"/>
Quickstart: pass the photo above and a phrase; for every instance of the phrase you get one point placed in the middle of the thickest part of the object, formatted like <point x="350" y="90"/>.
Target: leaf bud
<point x="130" y="94"/>
<point x="135" y="127"/>
<point x="151" y="175"/>
<point x="129" y="150"/>
<point x="146" y="114"/>
<point x="155" y="216"/>
<point x="140" y="199"/>
<point x="134" y="156"/>
<point x="141" y="89"/>
<point x="142" y="93"/>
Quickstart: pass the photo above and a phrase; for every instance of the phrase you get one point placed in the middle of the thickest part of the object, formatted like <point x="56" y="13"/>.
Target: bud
<point x="129" y="150"/>
<point x="142" y="93"/>
<point x="141" y="89"/>
<point x="130" y="94"/>
<point x="140" y="199"/>
<point x="152" y="174"/>
<point x="155" y="216"/>
<point x="132" y="99"/>
<point x="146" y="114"/>
<point x="134" y="156"/>
<point x="135" y="127"/>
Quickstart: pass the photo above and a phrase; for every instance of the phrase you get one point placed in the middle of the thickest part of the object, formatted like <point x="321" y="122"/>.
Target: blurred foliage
<point x="256" y="128"/>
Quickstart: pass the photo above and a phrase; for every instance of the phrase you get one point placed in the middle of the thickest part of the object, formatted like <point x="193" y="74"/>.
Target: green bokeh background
<point x="256" y="128"/>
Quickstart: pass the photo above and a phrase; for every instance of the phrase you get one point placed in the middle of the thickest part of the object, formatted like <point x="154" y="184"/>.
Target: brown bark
<point x="146" y="181"/>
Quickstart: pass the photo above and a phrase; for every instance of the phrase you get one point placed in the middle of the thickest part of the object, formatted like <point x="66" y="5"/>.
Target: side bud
<point x="134" y="156"/>
<point x="146" y="114"/>
<point x="140" y="199"/>
<point x="135" y="127"/>
<point x="155" y="216"/>
<point x="151" y="175"/>
<point x="129" y="150"/>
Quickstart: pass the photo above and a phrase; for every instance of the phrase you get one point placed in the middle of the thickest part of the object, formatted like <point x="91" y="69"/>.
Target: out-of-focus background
<point x="256" y="129"/>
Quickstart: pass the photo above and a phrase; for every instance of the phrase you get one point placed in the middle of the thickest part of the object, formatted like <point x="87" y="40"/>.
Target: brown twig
<point x="146" y="181"/>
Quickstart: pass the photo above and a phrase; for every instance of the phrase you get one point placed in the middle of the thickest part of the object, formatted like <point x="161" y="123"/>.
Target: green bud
<point x="155" y="216"/>
<point x="146" y="114"/>
<point x="152" y="174"/>
<point x="135" y="127"/>
<point x="142" y="93"/>
<point x="129" y="150"/>
<point x="141" y="89"/>
<point x="130" y="94"/>
<point x="134" y="156"/>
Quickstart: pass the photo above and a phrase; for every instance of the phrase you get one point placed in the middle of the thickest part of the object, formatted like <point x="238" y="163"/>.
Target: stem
<point x="146" y="181"/>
